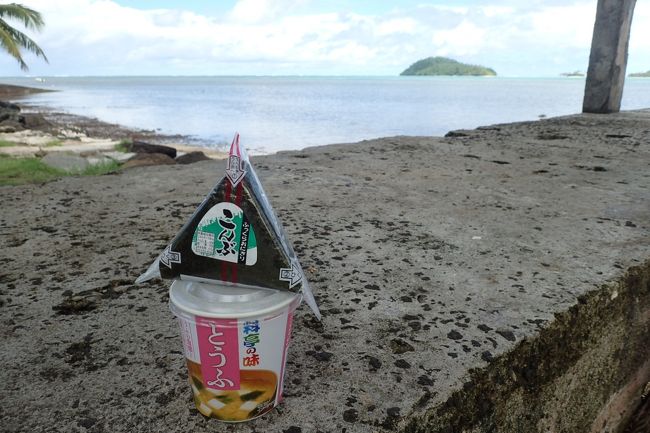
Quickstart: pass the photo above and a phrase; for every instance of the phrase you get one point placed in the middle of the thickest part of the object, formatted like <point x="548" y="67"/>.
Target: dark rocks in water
<point x="9" y="127"/>
<point x="146" y="159"/>
<point x="192" y="157"/>
<point x="138" y="146"/>
<point x="12" y="120"/>
<point x="9" y="106"/>
<point x="10" y="116"/>
<point x="37" y="121"/>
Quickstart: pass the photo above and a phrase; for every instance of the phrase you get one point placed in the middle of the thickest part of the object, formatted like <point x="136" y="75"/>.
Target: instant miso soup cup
<point x="235" y="341"/>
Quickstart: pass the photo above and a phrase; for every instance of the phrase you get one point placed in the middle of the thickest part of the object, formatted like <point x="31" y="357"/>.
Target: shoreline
<point x="96" y="128"/>
<point x="99" y="129"/>
<point x="267" y="131"/>
<point x="10" y="91"/>
<point x="40" y="144"/>
<point x="61" y="125"/>
<point x="82" y="135"/>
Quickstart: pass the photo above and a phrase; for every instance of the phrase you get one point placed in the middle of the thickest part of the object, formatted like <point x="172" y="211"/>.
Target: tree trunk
<point x="608" y="58"/>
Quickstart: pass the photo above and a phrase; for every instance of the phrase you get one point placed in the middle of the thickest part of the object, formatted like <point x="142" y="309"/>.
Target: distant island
<point x="573" y="74"/>
<point x="446" y="66"/>
<point x="645" y="74"/>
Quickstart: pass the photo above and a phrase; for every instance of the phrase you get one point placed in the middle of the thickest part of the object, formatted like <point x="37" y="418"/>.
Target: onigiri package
<point x="234" y="238"/>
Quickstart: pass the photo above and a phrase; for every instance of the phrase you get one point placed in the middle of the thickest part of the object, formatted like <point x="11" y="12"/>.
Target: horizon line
<point x="35" y="77"/>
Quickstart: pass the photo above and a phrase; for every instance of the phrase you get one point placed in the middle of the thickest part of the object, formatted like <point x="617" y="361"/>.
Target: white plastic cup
<point x="235" y="341"/>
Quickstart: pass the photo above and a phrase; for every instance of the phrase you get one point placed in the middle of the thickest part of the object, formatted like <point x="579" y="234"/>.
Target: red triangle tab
<point x="234" y="147"/>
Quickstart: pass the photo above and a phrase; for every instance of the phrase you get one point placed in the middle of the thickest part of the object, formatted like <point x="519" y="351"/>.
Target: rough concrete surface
<point x="437" y="264"/>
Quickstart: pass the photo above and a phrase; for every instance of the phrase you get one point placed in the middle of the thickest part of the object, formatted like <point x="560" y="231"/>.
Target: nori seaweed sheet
<point x="272" y="255"/>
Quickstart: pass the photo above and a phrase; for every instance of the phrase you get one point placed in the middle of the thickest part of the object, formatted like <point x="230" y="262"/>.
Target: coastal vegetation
<point x="446" y="66"/>
<point x="14" y="41"/>
<point x="122" y="146"/>
<point x="573" y="74"/>
<point x="645" y="74"/>
<point x="18" y="171"/>
<point x="54" y="143"/>
<point x="5" y="143"/>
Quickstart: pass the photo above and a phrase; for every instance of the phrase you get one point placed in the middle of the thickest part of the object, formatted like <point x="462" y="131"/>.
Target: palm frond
<point x="9" y="44"/>
<point x="22" y="40"/>
<point x="30" y="18"/>
<point x="12" y="40"/>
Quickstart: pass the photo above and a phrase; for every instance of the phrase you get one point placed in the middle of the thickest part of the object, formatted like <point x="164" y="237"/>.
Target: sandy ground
<point x="432" y="259"/>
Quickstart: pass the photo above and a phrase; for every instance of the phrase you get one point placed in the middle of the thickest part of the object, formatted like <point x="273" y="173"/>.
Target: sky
<point x="533" y="38"/>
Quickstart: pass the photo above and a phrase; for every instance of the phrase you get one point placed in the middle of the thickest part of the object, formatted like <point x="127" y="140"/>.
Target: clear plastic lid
<point x="221" y="301"/>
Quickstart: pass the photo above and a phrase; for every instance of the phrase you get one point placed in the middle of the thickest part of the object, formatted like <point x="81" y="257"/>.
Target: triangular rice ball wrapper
<point x="234" y="237"/>
<point x="229" y="241"/>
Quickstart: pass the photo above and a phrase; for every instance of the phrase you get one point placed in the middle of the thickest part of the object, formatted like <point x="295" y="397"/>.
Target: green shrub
<point x="122" y="145"/>
<point x="17" y="171"/>
<point x="5" y="143"/>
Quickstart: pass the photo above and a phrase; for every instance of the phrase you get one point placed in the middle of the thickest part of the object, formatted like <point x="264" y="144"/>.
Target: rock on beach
<point x="137" y="146"/>
<point x="146" y="159"/>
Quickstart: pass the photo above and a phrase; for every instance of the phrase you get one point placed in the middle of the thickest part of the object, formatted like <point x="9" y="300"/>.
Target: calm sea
<point x="281" y="113"/>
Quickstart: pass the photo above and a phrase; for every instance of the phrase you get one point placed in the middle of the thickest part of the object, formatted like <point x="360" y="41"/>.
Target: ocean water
<point x="283" y="113"/>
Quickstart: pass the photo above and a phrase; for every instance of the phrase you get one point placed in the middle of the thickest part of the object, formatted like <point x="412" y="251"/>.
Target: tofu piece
<point x="248" y="406"/>
<point x="205" y="409"/>
<point x="215" y="404"/>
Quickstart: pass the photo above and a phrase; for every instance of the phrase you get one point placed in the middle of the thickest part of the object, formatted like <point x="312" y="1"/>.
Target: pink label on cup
<point x="287" y="339"/>
<point x="218" y="346"/>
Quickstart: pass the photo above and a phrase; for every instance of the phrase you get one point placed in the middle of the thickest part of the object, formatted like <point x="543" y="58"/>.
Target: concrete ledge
<point x="463" y="280"/>
<point x="566" y="379"/>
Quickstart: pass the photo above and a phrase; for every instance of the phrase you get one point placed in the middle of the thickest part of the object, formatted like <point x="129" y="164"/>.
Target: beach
<point x="46" y="130"/>
<point x="489" y="280"/>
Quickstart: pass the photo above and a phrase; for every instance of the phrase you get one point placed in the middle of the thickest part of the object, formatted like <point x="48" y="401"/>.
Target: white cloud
<point x="459" y="10"/>
<point x="255" y="11"/>
<point x="493" y="11"/>
<point x="397" y="25"/>
<point x="639" y="39"/>
<point x="465" y="39"/>
<point x="570" y="25"/>
<point x="276" y="36"/>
